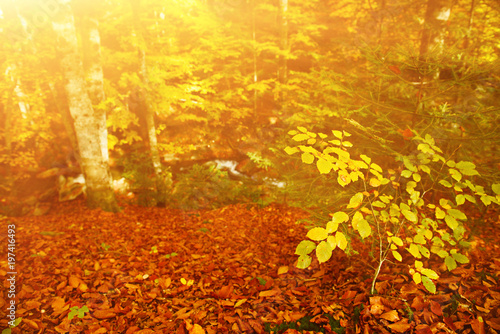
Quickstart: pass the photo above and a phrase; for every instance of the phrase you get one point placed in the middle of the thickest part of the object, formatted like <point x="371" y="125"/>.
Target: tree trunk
<point x="433" y="35"/>
<point x="91" y="42"/>
<point x="161" y="180"/>
<point x="283" y="27"/>
<point x="99" y="191"/>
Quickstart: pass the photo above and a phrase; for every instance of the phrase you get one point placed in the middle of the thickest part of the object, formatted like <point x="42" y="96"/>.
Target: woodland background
<point x="159" y="83"/>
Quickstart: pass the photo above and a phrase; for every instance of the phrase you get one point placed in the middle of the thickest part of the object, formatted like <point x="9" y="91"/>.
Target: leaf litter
<point x="228" y="270"/>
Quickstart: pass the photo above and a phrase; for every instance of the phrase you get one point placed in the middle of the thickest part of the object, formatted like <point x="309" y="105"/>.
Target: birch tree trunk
<point x="99" y="191"/>
<point x="91" y="42"/>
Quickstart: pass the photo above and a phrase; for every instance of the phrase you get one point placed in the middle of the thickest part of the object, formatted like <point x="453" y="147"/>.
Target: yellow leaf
<point x="429" y="273"/>
<point x="340" y="217"/>
<point x="397" y="241"/>
<point x="332" y="241"/>
<point x="240" y="302"/>
<point x="358" y="216"/>
<point x="355" y="201"/>
<point x="417" y="278"/>
<point x="331" y="227"/>
<point x="397" y="256"/>
<point x="323" y="251"/>
<point x="282" y="270"/>
<point x="341" y="240"/>
<point x="317" y="234"/>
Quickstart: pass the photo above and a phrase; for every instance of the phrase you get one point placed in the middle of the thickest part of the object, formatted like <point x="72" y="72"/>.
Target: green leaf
<point x="455" y="174"/>
<point x="301" y="129"/>
<point x="355" y="201"/>
<point x="307" y="158"/>
<point x="428" y="284"/>
<point x="324" y="166"/>
<point x="496" y="188"/>
<point x="430" y="273"/>
<point x="470" y="198"/>
<point x="304" y="261"/>
<point x="291" y="150"/>
<point x="324" y="251"/>
<point x="416" y="177"/>
<point x="305" y="247"/>
<point x="467" y="168"/>
<point x="445" y="183"/>
<point x="486" y="199"/>
<point x="460" y="199"/>
<point x="317" y="234"/>
<point x="409" y="165"/>
<point x="364" y="229"/>
<point x="457" y="214"/>
<point x="425" y="169"/>
<point x="451" y="222"/>
<point x="460" y="258"/>
<point x="450" y="263"/>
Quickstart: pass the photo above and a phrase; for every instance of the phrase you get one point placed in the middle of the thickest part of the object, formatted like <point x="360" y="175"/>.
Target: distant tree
<point x="149" y="113"/>
<point x="433" y="36"/>
<point x="95" y="169"/>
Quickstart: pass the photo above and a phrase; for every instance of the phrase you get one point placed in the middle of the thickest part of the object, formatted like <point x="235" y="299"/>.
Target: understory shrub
<point x="206" y="186"/>
<point x="391" y="209"/>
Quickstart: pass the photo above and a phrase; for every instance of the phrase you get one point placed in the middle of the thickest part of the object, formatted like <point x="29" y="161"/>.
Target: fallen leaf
<point x="478" y="325"/>
<point x="104" y="314"/>
<point x="282" y="270"/>
<point x="196" y="329"/>
<point x="400" y="326"/>
<point x="391" y="316"/>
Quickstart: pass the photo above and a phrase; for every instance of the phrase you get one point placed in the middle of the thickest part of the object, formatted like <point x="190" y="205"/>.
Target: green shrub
<point x="394" y="218"/>
<point x="138" y="170"/>
<point x="205" y="186"/>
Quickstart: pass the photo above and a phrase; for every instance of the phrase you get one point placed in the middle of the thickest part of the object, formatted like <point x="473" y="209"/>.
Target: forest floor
<point x="229" y="270"/>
